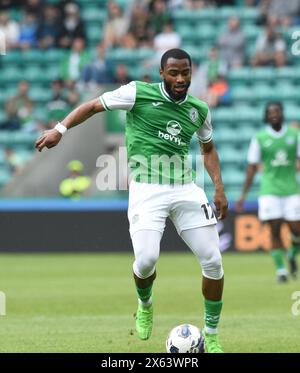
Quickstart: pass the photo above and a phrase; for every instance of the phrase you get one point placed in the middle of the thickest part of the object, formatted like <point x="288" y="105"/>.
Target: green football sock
<point x="144" y="294"/>
<point x="278" y="257"/>
<point x="212" y="313"/>
<point x="292" y="252"/>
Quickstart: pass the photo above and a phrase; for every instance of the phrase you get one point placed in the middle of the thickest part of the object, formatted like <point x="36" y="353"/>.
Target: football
<point x="185" y="338"/>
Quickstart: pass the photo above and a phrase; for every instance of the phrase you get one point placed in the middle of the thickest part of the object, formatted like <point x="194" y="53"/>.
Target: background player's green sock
<point x="292" y="252"/>
<point x="144" y="295"/>
<point x="278" y="257"/>
<point x="212" y="315"/>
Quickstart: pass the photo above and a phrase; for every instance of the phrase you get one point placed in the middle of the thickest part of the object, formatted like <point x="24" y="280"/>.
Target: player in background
<point x="161" y="120"/>
<point x="277" y="149"/>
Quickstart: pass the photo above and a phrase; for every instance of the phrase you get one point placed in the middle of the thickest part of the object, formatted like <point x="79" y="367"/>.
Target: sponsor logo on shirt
<point x="280" y="159"/>
<point x="157" y="103"/>
<point x="173" y="128"/>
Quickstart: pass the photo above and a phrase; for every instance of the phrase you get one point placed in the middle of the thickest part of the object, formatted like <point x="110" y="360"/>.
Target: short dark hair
<point x="178" y="54"/>
<point x="272" y="103"/>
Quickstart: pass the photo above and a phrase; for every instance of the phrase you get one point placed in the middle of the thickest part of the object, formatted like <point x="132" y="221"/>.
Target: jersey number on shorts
<point x="208" y="211"/>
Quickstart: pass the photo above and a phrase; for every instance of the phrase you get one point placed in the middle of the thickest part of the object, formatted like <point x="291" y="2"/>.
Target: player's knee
<point x="212" y="267"/>
<point x="144" y="266"/>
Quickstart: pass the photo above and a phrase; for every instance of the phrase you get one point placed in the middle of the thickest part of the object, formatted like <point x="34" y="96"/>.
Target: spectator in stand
<point x="195" y="4"/>
<point x="231" y="45"/>
<point x="270" y="49"/>
<point x="159" y="16"/>
<point x="139" y="25"/>
<point x="167" y="39"/>
<point x="116" y="26"/>
<point x="62" y="6"/>
<point x="58" y="106"/>
<point x="121" y="75"/>
<point x="280" y="12"/>
<point x="47" y="31"/>
<point x="35" y="7"/>
<point x="98" y="71"/>
<point x="129" y="41"/>
<point x="72" y="26"/>
<point x="220" y="3"/>
<point x="10" y="29"/>
<point x="9" y="4"/>
<point x="74" y="62"/>
<point x="18" y="109"/>
<point x="27" y="37"/>
<point x="13" y="160"/>
<point x="218" y="92"/>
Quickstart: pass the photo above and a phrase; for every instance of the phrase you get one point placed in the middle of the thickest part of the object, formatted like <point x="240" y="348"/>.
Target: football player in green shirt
<point x="277" y="149"/>
<point x="161" y="120"/>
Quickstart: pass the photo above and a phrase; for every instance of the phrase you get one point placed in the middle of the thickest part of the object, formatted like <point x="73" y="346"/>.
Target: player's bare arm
<point x="212" y="165"/>
<point x="250" y="173"/>
<point x="51" y="138"/>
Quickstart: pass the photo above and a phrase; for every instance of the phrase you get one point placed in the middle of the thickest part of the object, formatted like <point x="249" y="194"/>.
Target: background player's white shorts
<point x="275" y="207"/>
<point x="150" y="205"/>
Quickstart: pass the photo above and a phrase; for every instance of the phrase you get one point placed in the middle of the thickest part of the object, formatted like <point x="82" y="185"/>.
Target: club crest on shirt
<point x="194" y="115"/>
<point x="290" y="141"/>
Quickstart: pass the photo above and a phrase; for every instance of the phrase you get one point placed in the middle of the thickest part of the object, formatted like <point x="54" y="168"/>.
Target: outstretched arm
<point x="51" y="138"/>
<point x="212" y="165"/>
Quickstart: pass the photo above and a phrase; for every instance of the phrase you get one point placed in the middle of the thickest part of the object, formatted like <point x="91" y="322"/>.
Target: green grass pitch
<point x="85" y="303"/>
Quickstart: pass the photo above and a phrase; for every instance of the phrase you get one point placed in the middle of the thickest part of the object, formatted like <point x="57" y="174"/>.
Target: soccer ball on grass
<point x="185" y="338"/>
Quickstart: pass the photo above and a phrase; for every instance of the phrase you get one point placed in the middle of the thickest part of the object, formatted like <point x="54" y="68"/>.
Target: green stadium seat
<point x="19" y="138"/>
<point x="288" y="72"/>
<point x="228" y="153"/>
<point x="264" y="74"/>
<point x="40" y="94"/>
<point x="11" y="58"/>
<point x="36" y="56"/>
<point x="2" y="115"/>
<point x="94" y="13"/>
<point x="11" y="74"/>
<point x="251" y="31"/>
<point x="241" y="74"/>
<point x="188" y="16"/>
<point x="292" y="113"/>
<point x="225" y="134"/>
<point x="55" y="55"/>
<point x="247" y="13"/>
<point x="35" y="74"/>
<point x="233" y="176"/>
<point x="94" y="33"/>
<point x="241" y="93"/>
<point x="197" y="53"/>
<point x="5" y="138"/>
<point x="221" y="115"/>
<point x="264" y="91"/>
<point x="4" y="176"/>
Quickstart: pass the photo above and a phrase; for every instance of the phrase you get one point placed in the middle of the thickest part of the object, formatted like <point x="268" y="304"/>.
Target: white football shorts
<point x="150" y="205"/>
<point x="276" y="207"/>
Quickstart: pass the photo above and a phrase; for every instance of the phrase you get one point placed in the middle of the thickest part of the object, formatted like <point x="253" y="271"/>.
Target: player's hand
<point x="221" y="204"/>
<point x="239" y="204"/>
<point x="48" y="139"/>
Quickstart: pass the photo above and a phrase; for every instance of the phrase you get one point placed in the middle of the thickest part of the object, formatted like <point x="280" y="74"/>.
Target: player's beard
<point x="173" y="95"/>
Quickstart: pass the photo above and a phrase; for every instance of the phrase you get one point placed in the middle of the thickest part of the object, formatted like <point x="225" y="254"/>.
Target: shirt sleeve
<point x="204" y="133"/>
<point x="298" y="147"/>
<point x="122" y="98"/>
<point x="254" y="152"/>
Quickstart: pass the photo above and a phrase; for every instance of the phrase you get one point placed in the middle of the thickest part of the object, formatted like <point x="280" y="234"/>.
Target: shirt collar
<point x="274" y="133"/>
